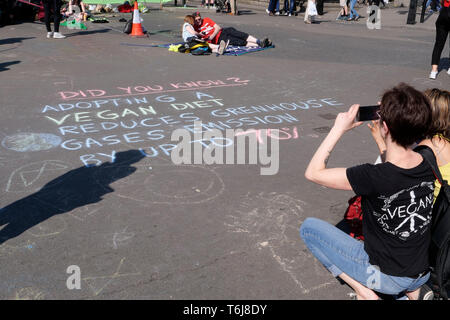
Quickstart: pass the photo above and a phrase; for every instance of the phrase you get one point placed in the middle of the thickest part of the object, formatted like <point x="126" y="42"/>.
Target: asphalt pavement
<point x="88" y="185"/>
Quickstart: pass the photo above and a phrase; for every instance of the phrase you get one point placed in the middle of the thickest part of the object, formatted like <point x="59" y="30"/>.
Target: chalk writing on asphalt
<point x="89" y="122"/>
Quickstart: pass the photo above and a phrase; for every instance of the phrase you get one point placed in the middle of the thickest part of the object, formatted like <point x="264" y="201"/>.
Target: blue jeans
<point x="438" y="4"/>
<point x="274" y="4"/>
<point x="340" y="253"/>
<point x="352" y="10"/>
<point x="289" y="8"/>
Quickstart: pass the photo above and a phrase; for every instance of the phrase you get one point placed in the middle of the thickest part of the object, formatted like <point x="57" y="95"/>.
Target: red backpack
<point x="353" y="215"/>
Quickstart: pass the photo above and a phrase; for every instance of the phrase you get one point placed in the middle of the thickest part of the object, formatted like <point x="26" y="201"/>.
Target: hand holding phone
<point x="368" y="113"/>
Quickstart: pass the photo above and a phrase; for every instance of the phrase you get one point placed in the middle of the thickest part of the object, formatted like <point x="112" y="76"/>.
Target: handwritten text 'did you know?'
<point x="145" y="89"/>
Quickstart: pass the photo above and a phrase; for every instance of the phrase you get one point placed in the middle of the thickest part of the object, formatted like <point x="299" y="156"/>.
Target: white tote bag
<point x="312" y="10"/>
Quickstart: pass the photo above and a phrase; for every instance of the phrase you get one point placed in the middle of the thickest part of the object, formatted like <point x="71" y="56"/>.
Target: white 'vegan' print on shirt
<point x="396" y="213"/>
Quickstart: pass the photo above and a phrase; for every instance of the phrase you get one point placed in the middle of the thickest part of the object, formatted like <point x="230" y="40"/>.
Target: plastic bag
<point x="312" y="10"/>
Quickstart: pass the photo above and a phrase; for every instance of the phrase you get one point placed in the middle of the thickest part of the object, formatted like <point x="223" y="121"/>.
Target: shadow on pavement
<point x="76" y="188"/>
<point x="14" y="40"/>
<point x="4" y="66"/>
<point x="84" y="33"/>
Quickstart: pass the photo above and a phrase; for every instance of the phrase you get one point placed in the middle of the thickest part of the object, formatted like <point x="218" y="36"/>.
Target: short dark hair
<point x="407" y="113"/>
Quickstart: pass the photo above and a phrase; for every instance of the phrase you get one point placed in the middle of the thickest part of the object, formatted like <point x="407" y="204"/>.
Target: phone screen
<point x="367" y="113"/>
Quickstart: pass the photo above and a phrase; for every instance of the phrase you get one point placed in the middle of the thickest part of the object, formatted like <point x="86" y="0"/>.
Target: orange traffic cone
<point x="137" y="30"/>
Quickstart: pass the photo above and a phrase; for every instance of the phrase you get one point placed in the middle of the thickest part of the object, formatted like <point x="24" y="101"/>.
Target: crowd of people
<point x="396" y="237"/>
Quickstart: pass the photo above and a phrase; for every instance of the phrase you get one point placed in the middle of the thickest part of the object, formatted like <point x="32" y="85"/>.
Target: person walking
<point x="353" y="14"/>
<point x="442" y="31"/>
<point x="310" y="12"/>
<point x="56" y="6"/>
<point x="433" y="4"/>
<point x="343" y="13"/>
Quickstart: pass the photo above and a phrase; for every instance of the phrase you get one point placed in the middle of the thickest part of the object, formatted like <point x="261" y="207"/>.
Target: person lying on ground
<point x="189" y="34"/>
<point x="214" y="33"/>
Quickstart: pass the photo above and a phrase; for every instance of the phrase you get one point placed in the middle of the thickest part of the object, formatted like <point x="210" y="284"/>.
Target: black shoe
<point x="426" y="293"/>
<point x="266" y="43"/>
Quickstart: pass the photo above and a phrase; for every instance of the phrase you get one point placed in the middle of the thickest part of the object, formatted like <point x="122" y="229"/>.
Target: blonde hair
<point x="440" y="112"/>
<point x="189" y="19"/>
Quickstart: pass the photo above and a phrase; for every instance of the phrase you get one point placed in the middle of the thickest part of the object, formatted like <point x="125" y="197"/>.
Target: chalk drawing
<point x="98" y="283"/>
<point x="146" y="89"/>
<point x="28" y="176"/>
<point x="6" y="249"/>
<point x="84" y="212"/>
<point x="49" y="227"/>
<point x="278" y="134"/>
<point x="25" y="142"/>
<point x="272" y="221"/>
<point x="193" y="184"/>
<point x="29" y="293"/>
<point x="122" y="238"/>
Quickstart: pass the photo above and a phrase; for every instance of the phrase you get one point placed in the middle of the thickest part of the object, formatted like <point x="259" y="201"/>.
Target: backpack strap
<point x="428" y="155"/>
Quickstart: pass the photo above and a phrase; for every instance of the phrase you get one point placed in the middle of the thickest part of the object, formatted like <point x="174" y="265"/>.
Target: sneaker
<point x="267" y="10"/>
<point x="433" y="75"/>
<point x="285" y="14"/>
<point x="290" y="14"/>
<point x="222" y="47"/>
<point x="57" y="35"/>
<point x="426" y="293"/>
<point x="277" y="13"/>
<point x="448" y="71"/>
<point x="266" y="43"/>
<point x="49" y="35"/>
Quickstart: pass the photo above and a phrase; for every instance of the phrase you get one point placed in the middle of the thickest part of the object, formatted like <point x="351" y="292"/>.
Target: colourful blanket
<point x="231" y="50"/>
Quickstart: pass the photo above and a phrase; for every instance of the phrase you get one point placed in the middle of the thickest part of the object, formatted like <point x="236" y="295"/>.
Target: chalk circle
<point x="169" y="184"/>
<point x="25" y="142"/>
<point x="48" y="228"/>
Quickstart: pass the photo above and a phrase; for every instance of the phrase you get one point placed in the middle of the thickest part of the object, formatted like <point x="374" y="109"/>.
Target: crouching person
<point x="396" y="198"/>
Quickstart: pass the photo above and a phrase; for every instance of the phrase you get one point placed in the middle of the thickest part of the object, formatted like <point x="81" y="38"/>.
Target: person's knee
<point x="308" y="225"/>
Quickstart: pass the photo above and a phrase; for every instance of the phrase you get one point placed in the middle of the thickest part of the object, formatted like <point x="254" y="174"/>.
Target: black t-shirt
<point x="397" y="206"/>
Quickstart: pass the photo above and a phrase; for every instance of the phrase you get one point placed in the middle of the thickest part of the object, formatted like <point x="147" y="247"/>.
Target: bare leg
<point x="252" y="42"/>
<point x="413" y="295"/>
<point x="214" y="47"/>
<point x="362" y="292"/>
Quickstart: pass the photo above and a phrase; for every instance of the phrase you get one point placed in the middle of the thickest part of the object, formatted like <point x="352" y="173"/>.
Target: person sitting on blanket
<point x="189" y="34"/>
<point x="213" y="33"/>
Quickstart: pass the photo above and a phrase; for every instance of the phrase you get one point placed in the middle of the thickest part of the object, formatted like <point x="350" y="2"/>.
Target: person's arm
<point x="217" y="28"/>
<point x="192" y="31"/>
<point x="376" y="134"/>
<point x="317" y="170"/>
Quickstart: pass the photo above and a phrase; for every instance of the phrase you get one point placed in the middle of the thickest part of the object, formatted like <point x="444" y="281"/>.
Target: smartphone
<point x="367" y="113"/>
